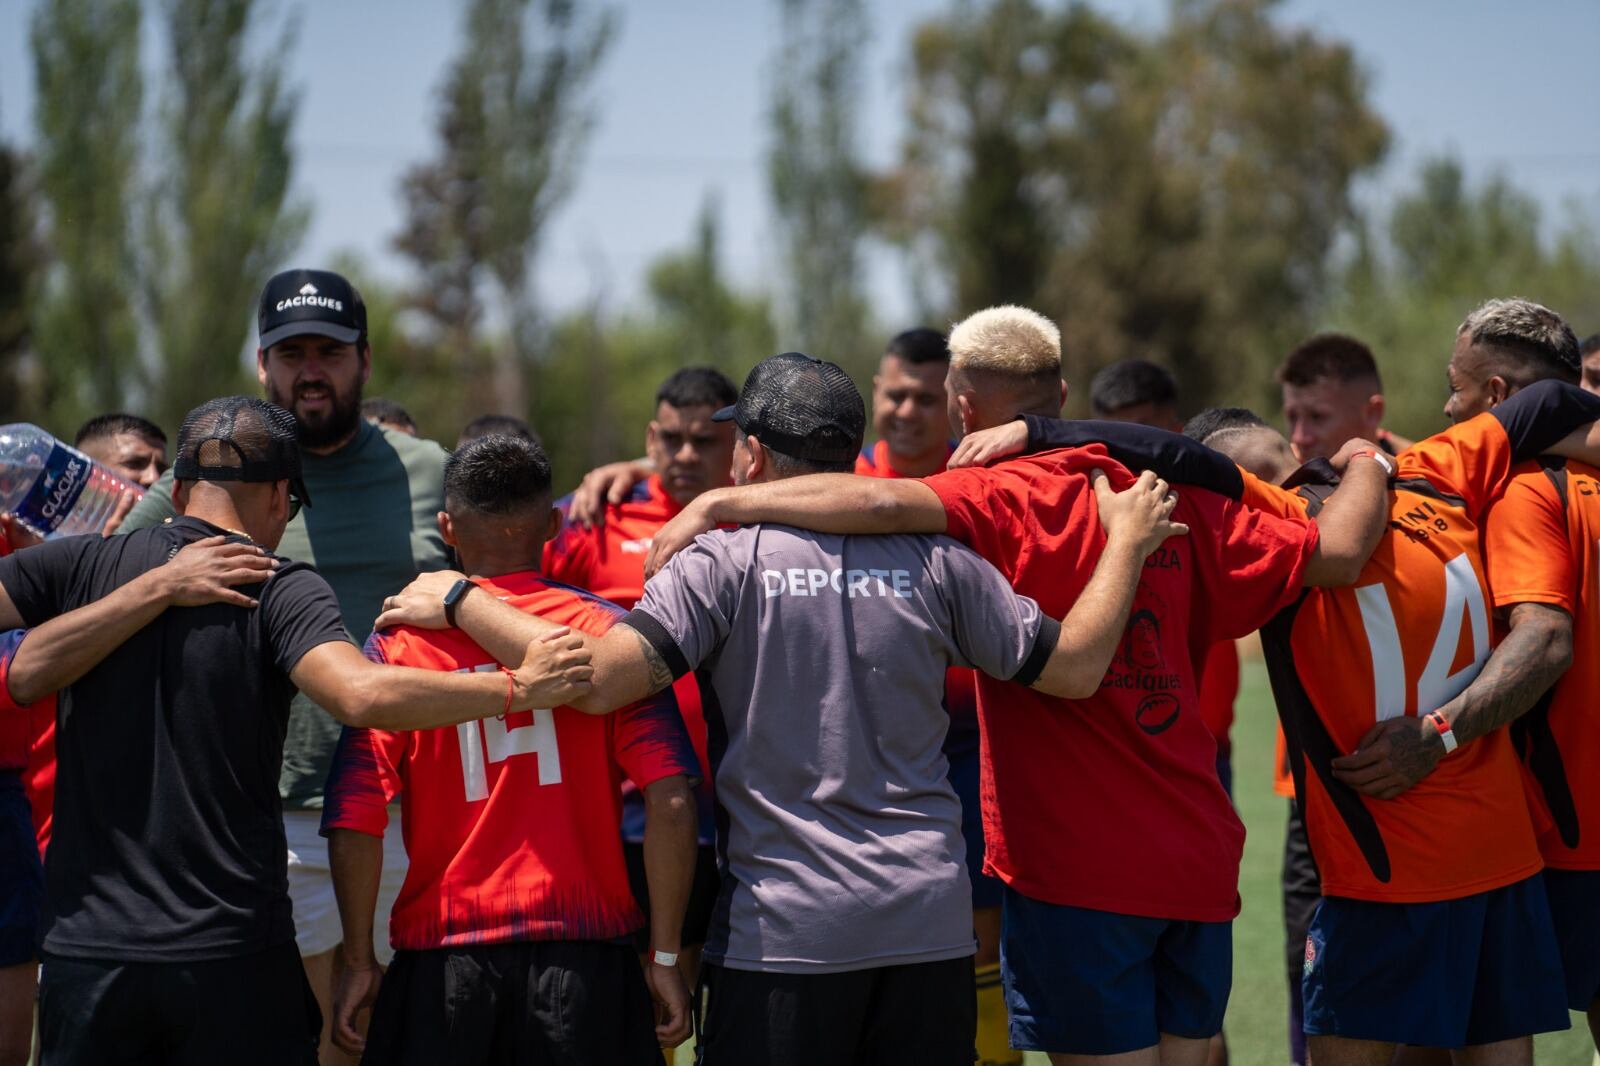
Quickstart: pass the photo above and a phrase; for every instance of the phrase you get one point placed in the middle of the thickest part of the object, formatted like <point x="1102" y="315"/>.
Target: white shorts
<point x="316" y="912"/>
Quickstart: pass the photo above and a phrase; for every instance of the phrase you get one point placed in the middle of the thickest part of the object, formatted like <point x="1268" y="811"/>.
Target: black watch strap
<point x="457" y="593"/>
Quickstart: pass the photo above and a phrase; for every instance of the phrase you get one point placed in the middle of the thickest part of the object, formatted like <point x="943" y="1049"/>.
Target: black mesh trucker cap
<point x="801" y="406"/>
<point x="310" y="301"/>
<point x="240" y="438"/>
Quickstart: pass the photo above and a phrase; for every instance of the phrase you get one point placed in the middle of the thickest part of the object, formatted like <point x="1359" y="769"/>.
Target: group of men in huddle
<point x="887" y="768"/>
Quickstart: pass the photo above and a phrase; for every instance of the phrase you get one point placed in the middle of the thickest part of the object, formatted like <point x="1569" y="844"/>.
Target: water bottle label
<point x="50" y="501"/>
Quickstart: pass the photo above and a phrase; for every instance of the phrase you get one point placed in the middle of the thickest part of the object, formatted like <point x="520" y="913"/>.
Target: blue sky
<point x="1509" y="87"/>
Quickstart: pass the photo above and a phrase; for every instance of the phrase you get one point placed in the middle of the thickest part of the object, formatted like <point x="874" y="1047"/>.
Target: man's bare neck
<point x="929" y="462"/>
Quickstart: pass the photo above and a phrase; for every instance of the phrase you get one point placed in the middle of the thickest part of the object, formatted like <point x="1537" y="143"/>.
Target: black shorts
<point x="920" y="1014"/>
<point x="252" y="1009"/>
<point x="702" y="895"/>
<point x="543" y="1003"/>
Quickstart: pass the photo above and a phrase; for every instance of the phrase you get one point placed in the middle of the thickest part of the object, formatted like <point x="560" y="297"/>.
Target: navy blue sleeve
<point x="1538" y="417"/>
<point x="1171" y="455"/>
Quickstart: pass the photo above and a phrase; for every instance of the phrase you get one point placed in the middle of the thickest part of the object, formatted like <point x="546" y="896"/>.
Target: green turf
<point x="1256" y="1011"/>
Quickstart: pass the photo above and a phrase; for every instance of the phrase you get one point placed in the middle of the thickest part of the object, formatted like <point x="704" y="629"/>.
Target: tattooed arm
<point x="1397" y="753"/>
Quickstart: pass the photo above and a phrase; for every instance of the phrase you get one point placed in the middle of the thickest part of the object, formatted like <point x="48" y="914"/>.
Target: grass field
<point x="1256" y="1025"/>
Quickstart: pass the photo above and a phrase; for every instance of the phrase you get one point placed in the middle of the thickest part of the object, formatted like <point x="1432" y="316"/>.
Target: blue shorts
<point x="1575" y="911"/>
<point x="1475" y="970"/>
<point x="21" y="875"/>
<point x="963" y="777"/>
<point x="1086" y="982"/>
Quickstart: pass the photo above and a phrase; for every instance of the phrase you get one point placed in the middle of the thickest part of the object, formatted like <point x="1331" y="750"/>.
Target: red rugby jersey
<point x="1409" y="636"/>
<point x="16" y="722"/>
<point x="1542" y="545"/>
<point x="1113" y="803"/>
<point x="608" y="561"/>
<point x="510" y="823"/>
<point x="1219" y="688"/>
<point x="28" y="743"/>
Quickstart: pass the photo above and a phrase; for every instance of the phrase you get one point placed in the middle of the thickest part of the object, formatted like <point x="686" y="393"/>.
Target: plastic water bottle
<point x="55" y="490"/>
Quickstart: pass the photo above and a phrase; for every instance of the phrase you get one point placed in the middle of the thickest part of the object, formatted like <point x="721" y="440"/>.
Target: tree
<point x="513" y="120"/>
<point x="221" y="219"/>
<point x="18" y="266"/>
<point x="1442" y="249"/>
<point x="818" y="183"/>
<point x="86" y="117"/>
<point x="598" y="389"/>
<point x="1170" y="195"/>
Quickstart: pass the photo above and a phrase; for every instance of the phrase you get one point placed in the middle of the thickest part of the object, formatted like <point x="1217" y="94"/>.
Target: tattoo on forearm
<point x="1516" y="675"/>
<point x="660" y="672"/>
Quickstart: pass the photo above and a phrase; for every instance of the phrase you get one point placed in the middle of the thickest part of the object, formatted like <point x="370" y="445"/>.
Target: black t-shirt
<point x="168" y="842"/>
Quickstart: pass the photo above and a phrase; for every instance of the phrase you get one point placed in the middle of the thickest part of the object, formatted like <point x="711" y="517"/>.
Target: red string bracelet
<point x="511" y="689"/>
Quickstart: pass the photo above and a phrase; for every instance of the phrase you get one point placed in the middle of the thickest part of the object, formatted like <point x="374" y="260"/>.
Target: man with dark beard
<point x="378" y="495"/>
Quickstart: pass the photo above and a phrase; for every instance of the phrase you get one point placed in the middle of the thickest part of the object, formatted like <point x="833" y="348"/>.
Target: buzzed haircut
<point x="1330" y="356"/>
<point x="1527" y="341"/>
<point x="103" y="426"/>
<point x="1215" y="421"/>
<point x="1008" y="340"/>
<point x="1130" y="382"/>
<point x="1590" y="345"/>
<point x="387" y="412"/>
<point x="920" y="346"/>
<point x="697" y="386"/>
<point x="495" y="425"/>
<point x="496" y="475"/>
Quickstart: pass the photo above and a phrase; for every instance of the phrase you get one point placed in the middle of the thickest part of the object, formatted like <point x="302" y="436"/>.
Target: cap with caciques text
<point x="240" y="438"/>
<point x="319" y="302"/>
<point x="801" y="406"/>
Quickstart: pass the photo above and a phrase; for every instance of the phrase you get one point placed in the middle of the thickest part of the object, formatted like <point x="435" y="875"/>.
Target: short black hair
<point x="919" y="346"/>
<point x="380" y="409"/>
<point x="697" y="386"/>
<point x="102" y="426"/>
<point x="493" y="426"/>
<point x="1214" y="420"/>
<point x="1590" y="345"/>
<point x="1130" y="382"/>
<point x="1330" y="355"/>
<point x="497" y="475"/>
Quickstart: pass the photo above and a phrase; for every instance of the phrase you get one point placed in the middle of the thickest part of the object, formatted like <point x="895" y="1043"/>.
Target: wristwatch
<point x="457" y="593"/>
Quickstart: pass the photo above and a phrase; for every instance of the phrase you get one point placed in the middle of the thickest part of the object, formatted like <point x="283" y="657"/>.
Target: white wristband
<point x="1446" y="734"/>
<point x="1377" y="457"/>
<point x="666" y="958"/>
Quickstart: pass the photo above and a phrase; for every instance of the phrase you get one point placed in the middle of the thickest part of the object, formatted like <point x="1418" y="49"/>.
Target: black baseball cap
<point x="801" y="406"/>
<point x="249" y="440"/>
<point x="296" y="302"/>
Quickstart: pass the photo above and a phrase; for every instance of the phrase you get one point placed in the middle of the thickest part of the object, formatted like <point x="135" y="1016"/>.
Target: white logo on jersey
<point x="799" y="581"/>
<point x="637" y="547"/>
<point x="499" y="743"/>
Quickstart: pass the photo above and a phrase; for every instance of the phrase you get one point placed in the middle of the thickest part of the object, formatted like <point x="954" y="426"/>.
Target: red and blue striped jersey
<point x="510" y="823"/>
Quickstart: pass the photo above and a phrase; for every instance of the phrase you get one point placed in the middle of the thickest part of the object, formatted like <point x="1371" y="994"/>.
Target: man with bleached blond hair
<point x="1102" y="815"/>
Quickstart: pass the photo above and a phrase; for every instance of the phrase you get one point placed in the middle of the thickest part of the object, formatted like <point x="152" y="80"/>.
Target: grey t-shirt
<point x="373" y="527"/>
<point x="822" y="661"/>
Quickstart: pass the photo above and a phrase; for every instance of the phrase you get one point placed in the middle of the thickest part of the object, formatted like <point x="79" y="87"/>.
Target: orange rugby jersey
<point x="1541" y="543"/>
<point x="1409" y="636"/>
